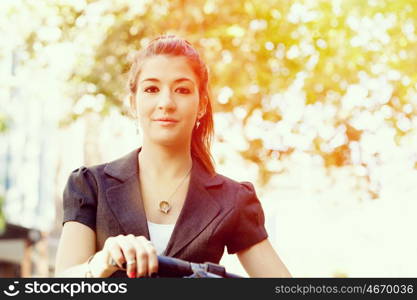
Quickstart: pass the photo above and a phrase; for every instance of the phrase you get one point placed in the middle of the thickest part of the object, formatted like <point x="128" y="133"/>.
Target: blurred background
<point x="315" y="103"/>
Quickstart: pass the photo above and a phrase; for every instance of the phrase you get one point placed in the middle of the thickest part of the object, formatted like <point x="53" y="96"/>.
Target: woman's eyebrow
<point x="183" y="79"/>
<point x="175" y="81"/>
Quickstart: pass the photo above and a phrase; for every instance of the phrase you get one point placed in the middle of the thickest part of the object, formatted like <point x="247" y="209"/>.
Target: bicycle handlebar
<point x="175" y="267"/>
<point x="172" y="267"/>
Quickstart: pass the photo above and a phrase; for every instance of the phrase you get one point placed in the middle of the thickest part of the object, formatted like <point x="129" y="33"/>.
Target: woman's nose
<point x="166" y="100"/>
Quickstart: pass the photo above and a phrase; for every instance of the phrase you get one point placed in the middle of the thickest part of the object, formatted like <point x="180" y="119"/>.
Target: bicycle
<point x="175" y="267"/>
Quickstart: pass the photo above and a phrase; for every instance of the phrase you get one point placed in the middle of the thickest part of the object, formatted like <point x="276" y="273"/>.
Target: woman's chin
<point x="167" y="140"/>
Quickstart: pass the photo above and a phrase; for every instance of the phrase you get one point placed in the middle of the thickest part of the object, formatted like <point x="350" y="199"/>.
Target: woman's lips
<point x="166" y="122"/>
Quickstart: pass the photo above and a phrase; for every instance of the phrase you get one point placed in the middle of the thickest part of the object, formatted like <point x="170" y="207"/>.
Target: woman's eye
<point x="151" y="89"/>
<point x="183" y="90"/>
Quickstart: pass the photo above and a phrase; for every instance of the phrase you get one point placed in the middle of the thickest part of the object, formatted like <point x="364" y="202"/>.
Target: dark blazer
<point x="217" y="211"/>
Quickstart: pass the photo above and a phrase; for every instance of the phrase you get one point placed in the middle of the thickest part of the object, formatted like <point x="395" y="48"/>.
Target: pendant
<point x="164" y="207"/>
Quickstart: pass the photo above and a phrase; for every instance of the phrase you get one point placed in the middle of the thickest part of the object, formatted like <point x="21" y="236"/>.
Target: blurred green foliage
<point x="4" y="123"/>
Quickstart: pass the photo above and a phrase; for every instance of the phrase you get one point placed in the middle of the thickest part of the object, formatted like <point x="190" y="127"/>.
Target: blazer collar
<point x="124" y="198"/>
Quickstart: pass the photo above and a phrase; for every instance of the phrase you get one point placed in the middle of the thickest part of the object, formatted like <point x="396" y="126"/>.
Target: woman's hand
<point x="137" y="252"/>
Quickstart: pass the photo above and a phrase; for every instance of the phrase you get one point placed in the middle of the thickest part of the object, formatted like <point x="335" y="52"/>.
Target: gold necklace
<point x="164" y="205"/>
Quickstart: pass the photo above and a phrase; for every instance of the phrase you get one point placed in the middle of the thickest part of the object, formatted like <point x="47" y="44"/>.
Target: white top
<point x="159" y="235"/>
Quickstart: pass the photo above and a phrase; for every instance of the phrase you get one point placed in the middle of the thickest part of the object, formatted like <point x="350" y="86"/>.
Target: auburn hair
<point x="172" y="45"/>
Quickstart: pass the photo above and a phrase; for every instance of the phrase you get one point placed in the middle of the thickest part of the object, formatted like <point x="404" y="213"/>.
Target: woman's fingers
<point x="114" y="253"/>
<point x="129" y="252"/>
<point x="152" y="257"/>
<point x="138" y="253"/>
<point x="117" y="255"/>
<point x="141" y="256"/>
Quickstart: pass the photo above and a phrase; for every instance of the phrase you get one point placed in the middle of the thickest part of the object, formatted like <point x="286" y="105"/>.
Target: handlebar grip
<point x="216" y="269"/>
<point x="172" y="267"/>
<point x="175" y="267"/>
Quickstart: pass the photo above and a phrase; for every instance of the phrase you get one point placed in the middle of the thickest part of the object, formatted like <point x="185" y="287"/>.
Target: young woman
<point x="164" y="197"/>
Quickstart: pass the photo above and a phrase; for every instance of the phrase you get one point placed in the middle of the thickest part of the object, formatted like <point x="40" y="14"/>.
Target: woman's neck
<point x="164" y="162"/>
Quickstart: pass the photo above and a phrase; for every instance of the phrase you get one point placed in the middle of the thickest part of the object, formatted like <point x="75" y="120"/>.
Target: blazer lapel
<point x="124" y="197"/>
<point x="198" y="211"/>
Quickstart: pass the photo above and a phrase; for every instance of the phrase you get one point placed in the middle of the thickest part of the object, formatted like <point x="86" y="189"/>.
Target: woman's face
<point x="167" y="100"/>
